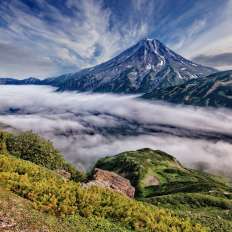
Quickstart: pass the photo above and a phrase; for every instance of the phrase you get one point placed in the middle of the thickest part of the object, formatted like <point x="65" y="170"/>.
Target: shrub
<point x="3" y="138"/>
<point x="51" y="193"/>
<point x="30" y="146"/>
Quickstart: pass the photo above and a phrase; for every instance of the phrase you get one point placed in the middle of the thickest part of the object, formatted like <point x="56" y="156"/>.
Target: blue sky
<point x="44" y="38"/>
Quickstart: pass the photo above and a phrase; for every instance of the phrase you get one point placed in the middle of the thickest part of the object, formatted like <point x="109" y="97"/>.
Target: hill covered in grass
<point x="162" y="181"/>
<point x="52" y="194"/>
<point x="34" y="195"/>
<point x="19" y="214"/>
<point x="169" y="196"/>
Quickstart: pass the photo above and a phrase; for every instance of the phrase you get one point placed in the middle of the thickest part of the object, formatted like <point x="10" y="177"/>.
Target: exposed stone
<point x="151" y="181"/>
<point x="6" y="223"/>
<point x="113" y="181"/>
<point x="64" y="173"/>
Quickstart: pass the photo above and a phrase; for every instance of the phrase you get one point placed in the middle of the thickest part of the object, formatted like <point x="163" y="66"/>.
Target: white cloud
<point x="88" y="126"/>
<point x="208" y="38"/>
<point x="51" y="42"/>
<point x="69" y="41"/>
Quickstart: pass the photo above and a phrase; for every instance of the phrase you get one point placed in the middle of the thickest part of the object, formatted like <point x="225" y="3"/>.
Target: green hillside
<point x="170" y="197"/>
<point x="156" y="173"/>
<point x="58" y="204"/>
<point x="19" y="214"/>
<point x="162" y="181"/>
<point x="54" y="195"/>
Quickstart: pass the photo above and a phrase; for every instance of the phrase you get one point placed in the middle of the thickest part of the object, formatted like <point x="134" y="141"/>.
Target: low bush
<point x="30" y="146"/>
<point x="51" y="193"/>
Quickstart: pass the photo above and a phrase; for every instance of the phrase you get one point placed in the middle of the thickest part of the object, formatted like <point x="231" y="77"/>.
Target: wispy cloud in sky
<point x="45" y="38"/>
<point x="55" y="40"/>
<point x="211" y="38"/>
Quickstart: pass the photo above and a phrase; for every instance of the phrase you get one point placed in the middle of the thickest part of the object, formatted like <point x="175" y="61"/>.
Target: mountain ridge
<point x="214" y="90"/>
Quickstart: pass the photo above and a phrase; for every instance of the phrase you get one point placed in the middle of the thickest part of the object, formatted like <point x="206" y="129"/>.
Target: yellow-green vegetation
<point x="171" y="197"/>
<point x="212" y="209"/>
<point x="162" y="181"/>
<point x="3" y="138"/>
<point x="18" y="214"/>
<point x="32" y="147"/>
<point x="52" y="194"/>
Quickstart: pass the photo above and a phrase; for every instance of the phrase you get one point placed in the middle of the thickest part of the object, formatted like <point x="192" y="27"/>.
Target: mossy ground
<point x="30" y="146"/>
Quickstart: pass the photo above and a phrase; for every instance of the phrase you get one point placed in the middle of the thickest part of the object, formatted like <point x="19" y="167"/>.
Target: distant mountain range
<point x="27" y="81"/>
<point x="140" y="69"/>
<point x="214" y="90"/>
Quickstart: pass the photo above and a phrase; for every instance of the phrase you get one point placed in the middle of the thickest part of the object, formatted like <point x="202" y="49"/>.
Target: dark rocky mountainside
<point x="27" y="81"/>
<point x="141" y="68"/>
<point x="214" y="90"/>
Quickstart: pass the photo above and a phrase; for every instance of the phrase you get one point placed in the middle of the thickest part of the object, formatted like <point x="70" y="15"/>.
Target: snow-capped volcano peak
<point x="157" y="48"/>
<point x="151" y="44"/>
<point x="147" y="65"/>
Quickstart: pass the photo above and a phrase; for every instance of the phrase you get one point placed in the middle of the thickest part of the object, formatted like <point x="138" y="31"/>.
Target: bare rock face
<point x="113" y="181"/>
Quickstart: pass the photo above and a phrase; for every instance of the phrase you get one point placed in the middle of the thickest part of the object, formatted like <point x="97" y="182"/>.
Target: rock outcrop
<point x="6" y="223"/>
<point x="65" y="174"/>
<point x="113" y="181"/>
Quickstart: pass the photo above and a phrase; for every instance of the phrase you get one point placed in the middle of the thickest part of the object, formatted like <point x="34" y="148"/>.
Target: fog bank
<point x="86" y="126"/>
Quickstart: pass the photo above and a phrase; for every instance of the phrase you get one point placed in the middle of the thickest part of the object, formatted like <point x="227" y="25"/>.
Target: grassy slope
<point x="204" y="198"/>
<point x="96" y="207"/>
<point x="171" y="177"/>
<point x="188" y="193"/>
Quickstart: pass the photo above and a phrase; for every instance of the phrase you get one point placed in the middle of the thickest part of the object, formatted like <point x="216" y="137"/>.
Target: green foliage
<point x="212" y="209"/>
<point x="51" y="193"/>
<point x="176" y="198"/>
<point x="3" y="138"/>
<point x="204" y="198"/>
<point x="155" y="173"/>
<point x="32" y="147"/>
<point x="198" y="92"/>
<point x="192" y="200"/>
<point x="22" y="214"/>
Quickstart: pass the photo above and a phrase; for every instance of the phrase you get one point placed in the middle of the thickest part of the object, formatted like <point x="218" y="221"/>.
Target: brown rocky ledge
<point x="113" y="181"/>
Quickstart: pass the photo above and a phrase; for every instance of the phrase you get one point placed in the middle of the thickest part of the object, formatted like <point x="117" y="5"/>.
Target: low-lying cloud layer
<point x="87" y="126"/>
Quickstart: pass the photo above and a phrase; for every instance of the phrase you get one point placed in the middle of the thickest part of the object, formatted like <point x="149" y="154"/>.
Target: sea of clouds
<point x="87" y="126"/>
